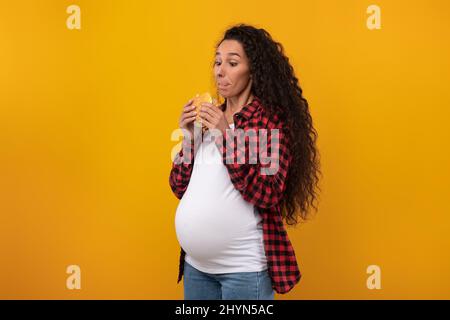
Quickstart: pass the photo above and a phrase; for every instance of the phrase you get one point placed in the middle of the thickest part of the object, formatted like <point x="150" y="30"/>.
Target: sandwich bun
<point x="198" y="100"/>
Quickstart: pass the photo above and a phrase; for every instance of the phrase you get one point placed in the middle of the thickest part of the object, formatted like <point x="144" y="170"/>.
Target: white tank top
<point x="219" y="231"/>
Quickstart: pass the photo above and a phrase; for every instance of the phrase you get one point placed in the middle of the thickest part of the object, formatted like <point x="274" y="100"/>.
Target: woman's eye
<point x="218" y="63"/>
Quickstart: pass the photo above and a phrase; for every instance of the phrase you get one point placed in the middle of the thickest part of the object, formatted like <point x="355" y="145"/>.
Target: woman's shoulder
<point x="268" y="117"/>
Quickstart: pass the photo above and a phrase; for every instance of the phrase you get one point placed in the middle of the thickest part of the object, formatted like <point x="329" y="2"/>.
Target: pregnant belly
<point x="203" y="233"/>
<point x="207" y="229"/>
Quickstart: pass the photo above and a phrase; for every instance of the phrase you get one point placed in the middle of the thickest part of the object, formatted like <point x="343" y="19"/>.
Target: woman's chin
<point x="224" y="91"/>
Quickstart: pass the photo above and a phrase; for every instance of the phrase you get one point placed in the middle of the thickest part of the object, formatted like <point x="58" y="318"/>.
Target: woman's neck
<point x="235" y="104"/>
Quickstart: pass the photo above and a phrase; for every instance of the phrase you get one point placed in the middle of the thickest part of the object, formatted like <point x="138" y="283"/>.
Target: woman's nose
<point x="220" y="71"/>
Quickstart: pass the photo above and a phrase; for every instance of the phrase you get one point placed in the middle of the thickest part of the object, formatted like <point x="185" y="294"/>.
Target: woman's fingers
<point x="213" y="117"/>
<point x="207" y="123"/>
<point x="188" y="112"/>
<point x="209" y="114"/>
<point x="188" y="103"/>
<point x="206" y="109"/>
<point x="188" y="108"/>
<point x="187" y="118"/>
<point x="211" y="109"/>
<point x="207" y="117"/>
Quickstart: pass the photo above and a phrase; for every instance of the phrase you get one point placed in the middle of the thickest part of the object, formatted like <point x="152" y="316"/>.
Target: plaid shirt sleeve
<point x="182" y="166"/>
<point x="260" y="177"/>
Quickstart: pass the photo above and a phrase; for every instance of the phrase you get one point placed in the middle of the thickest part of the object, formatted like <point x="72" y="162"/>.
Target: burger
<point x="198" y="100"/>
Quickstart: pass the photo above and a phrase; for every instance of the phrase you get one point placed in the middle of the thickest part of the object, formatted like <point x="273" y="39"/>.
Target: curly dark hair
<point x="275" y="84"/>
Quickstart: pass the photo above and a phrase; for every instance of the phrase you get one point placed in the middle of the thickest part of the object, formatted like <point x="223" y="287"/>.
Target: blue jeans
<point x="199" y="285"/>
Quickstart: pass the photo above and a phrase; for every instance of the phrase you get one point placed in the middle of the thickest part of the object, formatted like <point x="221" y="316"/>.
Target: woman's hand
<point x="187" y="117"/>
<point x="213" y="118"/>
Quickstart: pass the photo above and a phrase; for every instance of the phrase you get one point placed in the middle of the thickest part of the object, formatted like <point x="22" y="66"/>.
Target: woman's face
<point x="231" y="69"/>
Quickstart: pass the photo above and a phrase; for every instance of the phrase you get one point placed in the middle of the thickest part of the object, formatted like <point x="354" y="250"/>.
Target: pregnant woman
<point x="229" y="221"/>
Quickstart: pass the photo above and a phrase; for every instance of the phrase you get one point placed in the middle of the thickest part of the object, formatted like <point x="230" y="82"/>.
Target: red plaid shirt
<point x="264" y="191"/>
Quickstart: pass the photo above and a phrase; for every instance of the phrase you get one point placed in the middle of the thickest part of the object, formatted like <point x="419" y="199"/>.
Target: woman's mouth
<point x="222" y="86"/>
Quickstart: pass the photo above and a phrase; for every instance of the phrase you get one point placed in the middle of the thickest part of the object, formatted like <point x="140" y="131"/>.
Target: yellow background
<point x="86" y="117"/>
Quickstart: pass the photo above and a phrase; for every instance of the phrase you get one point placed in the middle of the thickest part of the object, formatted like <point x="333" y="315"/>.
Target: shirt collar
<point x="248" y="109"/>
